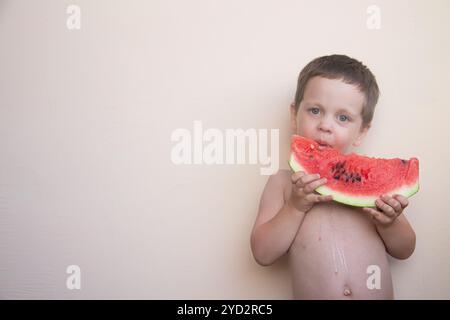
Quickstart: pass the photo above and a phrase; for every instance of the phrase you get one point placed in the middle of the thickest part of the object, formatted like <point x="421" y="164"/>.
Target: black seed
<point x="358" y="178"/>
<point x="403" y="161"/>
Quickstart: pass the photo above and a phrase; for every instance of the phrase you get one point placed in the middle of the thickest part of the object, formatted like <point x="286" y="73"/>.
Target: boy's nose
<point x="325" y="126"/>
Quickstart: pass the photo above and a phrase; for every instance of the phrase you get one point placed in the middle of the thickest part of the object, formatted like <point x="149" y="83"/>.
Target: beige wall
<point x="86" y="118"/>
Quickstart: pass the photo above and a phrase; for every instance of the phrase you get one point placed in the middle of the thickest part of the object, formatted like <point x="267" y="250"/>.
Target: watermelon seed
<point x="337" y="176"/>
<point x="403" y="161"/>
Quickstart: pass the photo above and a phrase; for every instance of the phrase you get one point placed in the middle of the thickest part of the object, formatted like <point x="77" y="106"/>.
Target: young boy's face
<point x="330" y="113"/>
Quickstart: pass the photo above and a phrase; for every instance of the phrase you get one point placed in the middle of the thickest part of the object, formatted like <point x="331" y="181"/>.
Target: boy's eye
<point x="343" y="118"/>
<point x="314" y="110"/>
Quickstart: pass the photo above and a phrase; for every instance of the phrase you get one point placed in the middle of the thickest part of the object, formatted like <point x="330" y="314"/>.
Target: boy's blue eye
<point x="343" y="118"/>
<point x="314" y="110"/>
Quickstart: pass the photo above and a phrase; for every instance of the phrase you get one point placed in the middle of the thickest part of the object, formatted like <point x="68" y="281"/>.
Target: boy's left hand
<point x="389" y="208"/>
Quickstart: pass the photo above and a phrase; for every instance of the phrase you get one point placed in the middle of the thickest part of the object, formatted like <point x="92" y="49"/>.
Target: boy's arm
<point x="398" y="236"/>
<point x="277" y="223"/>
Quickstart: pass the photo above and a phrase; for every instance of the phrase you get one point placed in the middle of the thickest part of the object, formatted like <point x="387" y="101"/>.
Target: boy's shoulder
<point x="276" y="190"/>
<point x="281" y="178"/>
<point x="281" y="174"/>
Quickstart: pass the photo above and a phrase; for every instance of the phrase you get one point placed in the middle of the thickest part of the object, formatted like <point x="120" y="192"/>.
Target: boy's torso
<point x="337" y="254"/>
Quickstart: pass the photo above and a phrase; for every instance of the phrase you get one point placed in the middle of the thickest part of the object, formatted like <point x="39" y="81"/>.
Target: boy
<point x="334" y="251"/>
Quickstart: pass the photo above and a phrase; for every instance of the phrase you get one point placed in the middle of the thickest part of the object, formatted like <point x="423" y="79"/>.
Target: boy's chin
<point x="344" y="150"/>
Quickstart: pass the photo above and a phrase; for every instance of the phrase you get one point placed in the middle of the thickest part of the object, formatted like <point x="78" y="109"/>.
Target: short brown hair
<point x="350" y="71"/>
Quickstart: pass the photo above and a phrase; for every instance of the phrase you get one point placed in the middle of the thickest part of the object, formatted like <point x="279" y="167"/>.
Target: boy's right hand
<point x="303" y="186"/>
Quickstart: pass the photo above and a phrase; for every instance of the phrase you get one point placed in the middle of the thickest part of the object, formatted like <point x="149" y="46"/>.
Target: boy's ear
<point x="362" y="134"/>
<point x="293" y="118"/>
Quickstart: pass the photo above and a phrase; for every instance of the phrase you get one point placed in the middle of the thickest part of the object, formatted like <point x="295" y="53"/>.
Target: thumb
<point x="324" y="198"/>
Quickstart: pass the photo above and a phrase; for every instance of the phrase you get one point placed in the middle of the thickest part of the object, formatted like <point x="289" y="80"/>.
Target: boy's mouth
<point x="323" y="145"/>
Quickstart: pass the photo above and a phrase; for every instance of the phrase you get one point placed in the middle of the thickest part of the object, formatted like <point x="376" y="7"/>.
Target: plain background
<point x="86" y="118"/>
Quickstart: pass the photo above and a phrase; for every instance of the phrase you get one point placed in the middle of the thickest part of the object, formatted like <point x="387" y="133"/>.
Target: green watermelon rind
<point x="369" y="201"/>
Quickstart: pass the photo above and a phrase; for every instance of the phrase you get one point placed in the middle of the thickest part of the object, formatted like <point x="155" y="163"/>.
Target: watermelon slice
<point x="354" y="179"/>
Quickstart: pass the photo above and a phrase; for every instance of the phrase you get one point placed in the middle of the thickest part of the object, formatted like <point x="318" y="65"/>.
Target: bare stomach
<point x="338" y="254"/>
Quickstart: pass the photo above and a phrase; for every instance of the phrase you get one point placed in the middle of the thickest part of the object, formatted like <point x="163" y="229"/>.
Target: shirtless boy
<point x="332" y="248"/>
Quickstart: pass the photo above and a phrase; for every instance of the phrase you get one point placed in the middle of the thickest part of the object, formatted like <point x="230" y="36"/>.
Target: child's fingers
<point x="310" y="187"/>
<point x="402" y="199"/>
<point x="320" y="198"/>
<point x="377" y="215"/>
<point x="386" y="208"/>
<point x="297" y="175"/>
<point x="394" y="203"/>
<point x="307" y="178"/>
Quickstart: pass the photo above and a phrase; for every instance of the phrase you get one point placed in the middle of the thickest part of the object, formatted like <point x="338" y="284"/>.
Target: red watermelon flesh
<point x="354" y="179"/>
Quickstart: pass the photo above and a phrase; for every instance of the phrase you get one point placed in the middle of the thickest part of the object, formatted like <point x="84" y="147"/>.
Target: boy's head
<point x="335" y="101"/>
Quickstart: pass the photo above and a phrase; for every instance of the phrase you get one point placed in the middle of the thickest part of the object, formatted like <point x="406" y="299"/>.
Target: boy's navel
<point x="347" y="291"/>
